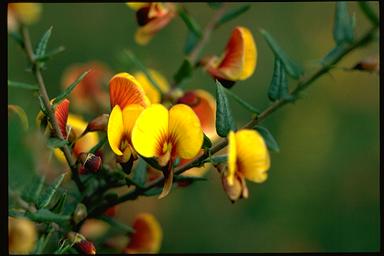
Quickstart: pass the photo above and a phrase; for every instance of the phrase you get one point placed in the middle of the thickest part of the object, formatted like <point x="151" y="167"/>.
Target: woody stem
<point x="45" y="99"/>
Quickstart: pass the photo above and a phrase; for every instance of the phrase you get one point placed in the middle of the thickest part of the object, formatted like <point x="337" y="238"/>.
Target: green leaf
<point x="50" y="54"/>
<point x="215" y="160"/>
<point x="368" y="11"/>
<point x="292" y="68"/>
<point x="59" y="206"/>
<point x="153" y="191"/>
<point x="207" y="143"/>
<point x="215" y="5"/>
<point x="20" y="85"/>
<point x="185" y="71"/>
<point x="38" y="189"/>
<point x="69" y="89"/>
<point x="242" y="102"/>
<point x="117" y="225"/>
<point x="232" y="13"/>
<point x="224" y="119"/>
<point x="278" y="88"/>
<point x="19" y="111"/>
<point x="190" y="22"/>
<point x="140" y="173"/>
<point x="17" y="37"/>
<point x="268" y="138"/>
<point x="190" y="43"/>
<point x="42" y="45"/>
<point x="56" y="143"/>
<point x="152" y="162"/>
<point x="45" y="215"/>
<point x="332" y="55"/>
<point x="343" y="28"/>
<point x="46" y="198"/>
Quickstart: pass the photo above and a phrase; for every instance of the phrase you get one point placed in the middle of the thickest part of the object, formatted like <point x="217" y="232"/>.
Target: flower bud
<point x="370" y="64"/>
<point x="100" y="123"/>
<point x="81" y="244"/>
<point x="22" y="235"/>
<point x="238" y="189"/>
<point x="80" y="213"/>
<point x="89" y="163"/>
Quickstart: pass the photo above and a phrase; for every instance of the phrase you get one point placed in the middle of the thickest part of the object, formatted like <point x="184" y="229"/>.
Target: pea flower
<point x="127" y="100"/>
<point x="151" y="17"/>
<point x="89" y="95"/>
<point x="164" y="134"/>
<point x="238" y="61"/>
<point x="248" y="158"/>
<point x="22" y="13"/>
<point x="147" y="237"/>
<point x="22" y="235"/>
<point x="150" y="90"/>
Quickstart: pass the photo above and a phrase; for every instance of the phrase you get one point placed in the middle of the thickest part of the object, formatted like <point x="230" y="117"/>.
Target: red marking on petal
<point x="124" y="92"/>
<point x="61" y="114"/>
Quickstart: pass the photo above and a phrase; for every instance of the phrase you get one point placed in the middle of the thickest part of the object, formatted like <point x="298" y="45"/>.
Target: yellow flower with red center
<point x="147" y="237"/>
<point x="151" y="17"/>
<point x="89" y="95"/>
<point x="238" y="61"/>
<point x="248" y="158"/>
<point x="22" y="13"/>
<point x="150" y="90"/>
<point x="127" y="100"/>
<point x="165" y="134"/>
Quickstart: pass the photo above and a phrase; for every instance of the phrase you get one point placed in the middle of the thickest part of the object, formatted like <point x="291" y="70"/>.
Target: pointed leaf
<point x="332" y="55"/>
<point x="242" y="102"/>
<point x="42" y="45"/>
<point x="292" y="68"/>
<point x="367" y="10"/>
<point x="278" y="89"/>
<point x="268" y="138"/>
<point x="59" y="206"/>
<point x="21" y="85"/>
<point x="232" y="14"/>
<point x="45" y="215"/>
<point x="152" y="162"/>
<point x="19" y="111"/>
<point x="207" y="143"/>
<point x="153" y="191"/>
<point x="224" y="119"/>
<point x="140" y="173"/>
<point x="185" y="71"/>
<point x="56" y="143"/>
<point x="215" y="5"/>
<point x="17" y="37"/>
<point x="343" y="29"/>
<point x="190" y="42"/>
<point x="46" y="198"/>
<point x="38" y="189"/>
<point x="117" y="225"/>
<point x="215" y="160"/>
<point x="50" y="54"/>
<point x="69" y="89"/>
<point x="190" y="22"/>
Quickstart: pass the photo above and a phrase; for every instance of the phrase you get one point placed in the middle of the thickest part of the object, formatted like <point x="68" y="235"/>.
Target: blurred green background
<point x="322" y="193"/>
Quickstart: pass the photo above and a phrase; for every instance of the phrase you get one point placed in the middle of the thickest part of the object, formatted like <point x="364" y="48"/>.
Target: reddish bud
<point x="81" y="244"/>
<point x="89" y="162"/>
<point x="100" y="123"/>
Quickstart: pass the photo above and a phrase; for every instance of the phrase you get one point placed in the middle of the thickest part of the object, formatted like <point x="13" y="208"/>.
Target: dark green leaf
<point x="59" y="206"/>
<point x="224" y="119"/>
<point x="17" y="37"/>
<point x="207" y="143"/>
<point x="185" y="71"/>
<point x="190" y="43"/>
<point x="45" y="215"/>
<point x="42" y="106"/>
<point x="215" y="5"/>
<point x="343" y="29"/>
<point x="242" y="102"/>
<point x="153" y="191"/>
<point x="38" y="189"/>
<point x="368" y="11"/>
<point x="50" y="54"/>
<point x="292" y="68"/>
<point x="152" y="162"/>
<point x="268" y="138"/>
<point x="215" y="160"/>
<point x="26" y="86"/>
<point x="56" y="143"/>
<point x="190" y="22"/>
<point x="69" y="89"/>
<point x="46" y="198"/>
<point x="232" y="13"/>
<point x="140" y="173"/>
<point x="42" y="45"/>
<point x="278" y="88"/>
<point x="332" y="55"/>
<point x="117" y="225"/>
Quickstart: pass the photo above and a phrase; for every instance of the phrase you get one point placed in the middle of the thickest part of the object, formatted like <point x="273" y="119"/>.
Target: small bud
<point x="22" y="235"/>
<point x="79" y="214"/>
<point x="238" y="190"/>
<point x="89" y="163"/>
<point x="100" y="123"/>
<point x="81" y="244"/>
<point x="370" y="64"/>
<point x="111" y="211"/>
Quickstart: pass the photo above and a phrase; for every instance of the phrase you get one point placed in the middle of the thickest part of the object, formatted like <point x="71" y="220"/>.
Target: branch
<point x="44" y="95"/>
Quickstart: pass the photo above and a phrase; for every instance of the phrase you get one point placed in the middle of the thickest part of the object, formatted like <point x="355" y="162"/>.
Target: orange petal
<point x="61" y="114"/>
<point x="124" y="89"/>
<point x="149" y="89"/>
<point x="147" y="237"/>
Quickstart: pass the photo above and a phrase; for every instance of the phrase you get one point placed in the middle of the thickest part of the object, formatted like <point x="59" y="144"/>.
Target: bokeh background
<point x="322" y="193"/>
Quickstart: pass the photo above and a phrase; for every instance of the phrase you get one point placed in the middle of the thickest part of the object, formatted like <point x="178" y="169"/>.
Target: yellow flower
<point x="238" y="61"/>
<point x="151" y="17"/>
<point x="149" y="89"/>
<point x="127" y="102"/>
<point x="22" y="235"/>
<point x="248" y="158"/>
<point x="147" y="237"/>
<point x="165" y="134"/>
<point x="25" y="13"/>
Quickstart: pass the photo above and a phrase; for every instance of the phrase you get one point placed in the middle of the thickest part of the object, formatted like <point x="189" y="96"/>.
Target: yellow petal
<point x="149" y="89"/>
<point x="151" y="131"/>
<point x="85" y="143"/>
<point x="124" y="90"/>
<point x="232" y="158"/>
<point x="115" y="129"/>
<point x="185" y="131"/>
<point x="147" y="237"/>
<point x="252" y="155"/>
<point x="26" y="13"/>
<point x="130" y="114"/>
<point x="136" y="5"/>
